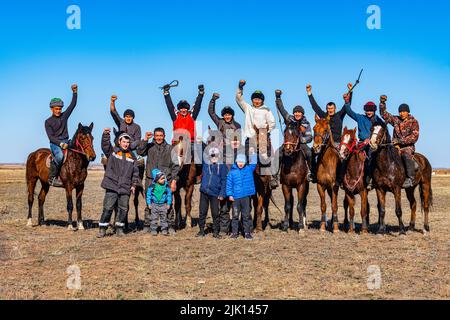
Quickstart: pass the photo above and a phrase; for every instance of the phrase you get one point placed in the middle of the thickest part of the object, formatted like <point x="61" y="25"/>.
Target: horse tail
<point x="422" y="198"/>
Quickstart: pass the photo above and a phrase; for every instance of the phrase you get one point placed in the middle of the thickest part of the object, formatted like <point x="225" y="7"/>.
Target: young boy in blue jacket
<point x="240" y="187"/>
<point x="159" y="200"/>
<point x="212" y="191"/>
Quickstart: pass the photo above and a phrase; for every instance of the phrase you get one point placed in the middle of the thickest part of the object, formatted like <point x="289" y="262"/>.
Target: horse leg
<point x="69" y="208"/>
<point x="398" y="209"/>
<point x="177" y="208"/>
<point x="381" y="196"/>
<point x="364" y="210"/>
<point x="301" y="215"/>
<point x="350" y="199"/>
<point x="41" y="200"/>
<point x="188" y="205"/>
<point x="323" y="207"/>
<point x="346" y="211"/>
<point x="259" y="211"/>
<point x="305" y="202"/>
<point x="79" y="195"/>
<point x="413" y="206"/>
<point x="334" y="207"/>
<point x="31" y="184"/>
<point x="427" y="199"/>
<point x="287" y="193"/>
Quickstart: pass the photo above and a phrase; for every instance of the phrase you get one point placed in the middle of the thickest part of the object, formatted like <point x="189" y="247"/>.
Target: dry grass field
<point x="275" y="265"/>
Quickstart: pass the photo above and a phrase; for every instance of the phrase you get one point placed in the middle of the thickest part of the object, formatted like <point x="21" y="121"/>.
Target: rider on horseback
<point x="406" y="134"/>
<point x="335" y="119"/>
<point x="184" y="119"/>
<point x="365" y="122"/>
<point x="56" y="128"/>
<point x="299" y="121"/>
<point x="257" y="116"/>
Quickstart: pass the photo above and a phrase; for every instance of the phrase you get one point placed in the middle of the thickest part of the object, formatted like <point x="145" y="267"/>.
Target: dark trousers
<point x="109" y="202"/>
<point x="224" y="213"/>
<point x="206" y="202"/>
<point x="241" y="207"/>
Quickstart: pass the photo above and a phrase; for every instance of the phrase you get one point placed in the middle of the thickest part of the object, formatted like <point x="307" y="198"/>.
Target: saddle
<point x="50" y="158"/>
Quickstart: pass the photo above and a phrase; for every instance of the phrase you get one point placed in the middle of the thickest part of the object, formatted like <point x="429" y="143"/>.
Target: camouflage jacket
<point x="406" y="131"/>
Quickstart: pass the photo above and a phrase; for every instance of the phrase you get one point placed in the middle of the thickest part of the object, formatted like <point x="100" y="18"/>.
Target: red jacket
<point x="182" y="124"/>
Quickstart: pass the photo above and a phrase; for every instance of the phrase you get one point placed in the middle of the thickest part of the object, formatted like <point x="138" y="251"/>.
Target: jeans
<point x="57" y="152"/>
<point x="241" y="207"/>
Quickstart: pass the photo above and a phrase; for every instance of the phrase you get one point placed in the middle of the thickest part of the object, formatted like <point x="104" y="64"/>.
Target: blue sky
<point x="130" y="48"/>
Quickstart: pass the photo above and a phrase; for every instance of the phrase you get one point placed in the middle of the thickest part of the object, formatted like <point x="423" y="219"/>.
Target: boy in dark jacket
<point x="58" y="134"/>
<point x="212" y="190"/>
<point x="240" y="187"/>
<point x="159" y="200"/>
<point x="121" y="178"/>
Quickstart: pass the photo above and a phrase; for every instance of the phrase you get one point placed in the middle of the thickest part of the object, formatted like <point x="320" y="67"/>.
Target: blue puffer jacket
<point x="214" y="179"/>
<point x="240" y="182"/>
<point x="167" y="195"/>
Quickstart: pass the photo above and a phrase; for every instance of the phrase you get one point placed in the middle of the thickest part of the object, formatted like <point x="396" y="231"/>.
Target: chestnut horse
<point x="293" y="175"/>
<point x="73" y="174"/>
<point x="389" y="175"/>
<point x="186" y="180"/>
<point x="327" y="166"/>
<point x="354" y="182"/>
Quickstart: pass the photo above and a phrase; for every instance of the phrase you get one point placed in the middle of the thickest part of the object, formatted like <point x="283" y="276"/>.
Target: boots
<point x="410" y="173"/>
<point x="119" y="232"/>
<point x="53" y="179"/>
<point x="101" y="233"/>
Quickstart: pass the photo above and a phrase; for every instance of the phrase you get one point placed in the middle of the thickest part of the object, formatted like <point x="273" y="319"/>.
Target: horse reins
<point x="79" y="145"/>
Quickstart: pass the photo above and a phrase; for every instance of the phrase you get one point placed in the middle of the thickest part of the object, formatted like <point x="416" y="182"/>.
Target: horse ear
<point x="345" y="129"/>
<point x="91" y="126"/>
<point x="354" y="130"/>
<point x="80" y="126"/>
<point x="316" y="117"/>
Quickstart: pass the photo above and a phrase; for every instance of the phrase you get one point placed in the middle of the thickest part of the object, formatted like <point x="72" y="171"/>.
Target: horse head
<point x="322" y="133"/>
<point x="83" y="142"/>
<point x="291" y="140"/>
<point x="378" y="136"/>
<point x="348" y="142"/>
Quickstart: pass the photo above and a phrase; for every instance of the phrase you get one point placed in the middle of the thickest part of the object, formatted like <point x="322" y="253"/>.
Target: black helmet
<point x="228" y="110"/>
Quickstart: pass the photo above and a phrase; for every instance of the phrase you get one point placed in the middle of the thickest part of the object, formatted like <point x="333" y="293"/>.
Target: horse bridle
<point x="382" y="139"/>
<point x="294" y="144"/>
<point x="82" y="147"/>
<point x="324" y="137"/>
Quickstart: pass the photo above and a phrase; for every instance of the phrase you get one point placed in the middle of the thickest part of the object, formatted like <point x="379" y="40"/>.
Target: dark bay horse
<point x="327" y="166"/>
<point x="73" y="174"/>
<point x="186" y="180"/>
<point x="354" y="181"/>
<point x="293" y="175"/>
<point x="389" y="175"/>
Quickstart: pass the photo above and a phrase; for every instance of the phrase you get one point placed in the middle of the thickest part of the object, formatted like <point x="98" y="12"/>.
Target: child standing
<point x="212" y="190"/>
<point x="240" y="187"/>
<point x="121" y="178"/>
<point x="159" y="200"/>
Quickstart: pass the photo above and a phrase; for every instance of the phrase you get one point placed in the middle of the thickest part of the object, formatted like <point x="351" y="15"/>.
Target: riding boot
<point x="308" y="156"/>
<point x="313" y="168"/>
<point x="410" y="173"/>
<point x="53" y="179"/>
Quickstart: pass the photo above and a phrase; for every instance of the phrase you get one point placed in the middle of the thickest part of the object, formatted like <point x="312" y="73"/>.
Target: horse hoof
<point x="29" y="223"/>
<point x="323" y="227"/>
<point x="335" y="228"/>
<point x="365" y="231"/>
<point x="70" y="227"/>
<point x="80" y="226"/>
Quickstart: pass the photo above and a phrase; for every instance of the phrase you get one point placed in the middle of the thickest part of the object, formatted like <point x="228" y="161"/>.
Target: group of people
<point x="227" y="166"/>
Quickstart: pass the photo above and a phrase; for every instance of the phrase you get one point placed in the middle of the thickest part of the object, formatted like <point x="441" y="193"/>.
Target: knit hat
<point x="299" y="109"/>
<point x="370" y="106"/>
<point x="128" y="112"/>
<point x="124" y="135"/>
<point x="241" y="158"/>
<point x="258" y="95"/>
<point x="403" y="107"/>
<point x="228" y="110"/>
<point x="56" y="102"/>
<point x="183" y="104"/>
<point x="157" y="175"/>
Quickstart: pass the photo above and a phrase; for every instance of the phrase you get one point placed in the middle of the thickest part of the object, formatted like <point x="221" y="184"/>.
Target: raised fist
<point x="107" y="131"/>
<point x="278" y="93"/>
<point x="308" y="89"/>
<point x="113" y="98"/>
<point x="74" y="88"/>
<point x="148" y="136"/>
<point x="350" y="86"/>
<point x="242" y="84"/>
<point x="383" y="99"/>
<point x="216" y="96"/>
<point x="201" y="88"/>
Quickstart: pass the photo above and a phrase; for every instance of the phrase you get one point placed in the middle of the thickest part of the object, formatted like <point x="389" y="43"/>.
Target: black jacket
<point x="306" y="137"/>
<point x="56" y="127"/>
<point x="221" y="124"/>
<point x="336" y="121"/>
<point x="159" y="156"/>
<point x="134" y="130"/>
<point x="121" y="171"/>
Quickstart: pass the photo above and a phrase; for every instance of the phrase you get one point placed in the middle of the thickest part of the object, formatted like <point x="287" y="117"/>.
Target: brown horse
<point x="327" y="166"/>
<point x="389" y="175"/>
<point x="262" y="181"/>
<point x="354" y="182"/>
<point x="73" y="174"/>
<point x="186" y="180"/>
<point x="293" y="175"/>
